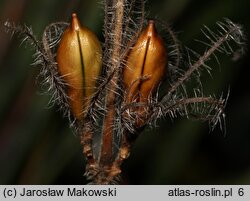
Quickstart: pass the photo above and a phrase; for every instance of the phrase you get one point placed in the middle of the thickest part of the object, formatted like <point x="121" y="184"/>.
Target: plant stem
<point x="108" y="128"/>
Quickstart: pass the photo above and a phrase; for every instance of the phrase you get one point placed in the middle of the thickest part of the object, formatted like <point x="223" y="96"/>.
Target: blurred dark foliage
<point x="37" y="146"/>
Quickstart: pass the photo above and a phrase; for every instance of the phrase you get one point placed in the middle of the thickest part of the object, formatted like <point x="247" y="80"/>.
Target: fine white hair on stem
<point x="110" y="124"/>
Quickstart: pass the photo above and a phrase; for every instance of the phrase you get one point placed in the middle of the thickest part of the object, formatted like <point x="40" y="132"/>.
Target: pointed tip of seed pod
<point x="75" y="24"/>
<point x="152" y="22"/>
<point x="151" y="29"/>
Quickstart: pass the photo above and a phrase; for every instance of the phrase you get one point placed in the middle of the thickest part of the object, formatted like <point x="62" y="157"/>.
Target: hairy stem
<point x="108" y="131"/>
<point x="201" y="61"/>
<point x="187" y="101"/>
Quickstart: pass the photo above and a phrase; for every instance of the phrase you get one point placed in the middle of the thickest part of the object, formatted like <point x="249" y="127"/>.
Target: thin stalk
<point x="106" y="156"/>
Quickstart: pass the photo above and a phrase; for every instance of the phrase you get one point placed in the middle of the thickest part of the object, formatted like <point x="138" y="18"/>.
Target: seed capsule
<point x="146" y="65"/>
<point x="79" y="64"/>
<point x="145" y="68"/>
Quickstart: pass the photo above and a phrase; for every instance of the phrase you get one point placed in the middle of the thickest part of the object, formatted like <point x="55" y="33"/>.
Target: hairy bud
<point x="79" y="64"/>
<point x="146" y="65"/>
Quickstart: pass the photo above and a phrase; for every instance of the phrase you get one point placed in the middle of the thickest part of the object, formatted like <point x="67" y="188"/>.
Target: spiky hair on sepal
<point x="110" y="125"/>
<point x="177" y="100"/>
<point x="229" y="39"/>
<point x="44" y="57"/>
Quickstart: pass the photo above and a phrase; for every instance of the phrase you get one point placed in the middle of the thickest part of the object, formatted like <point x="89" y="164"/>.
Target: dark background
<point x="37" y="147"/>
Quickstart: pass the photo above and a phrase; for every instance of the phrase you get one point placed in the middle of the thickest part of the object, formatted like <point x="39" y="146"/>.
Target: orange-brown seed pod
<point x="146" y="65"/>
<point x="79" y="64"/>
